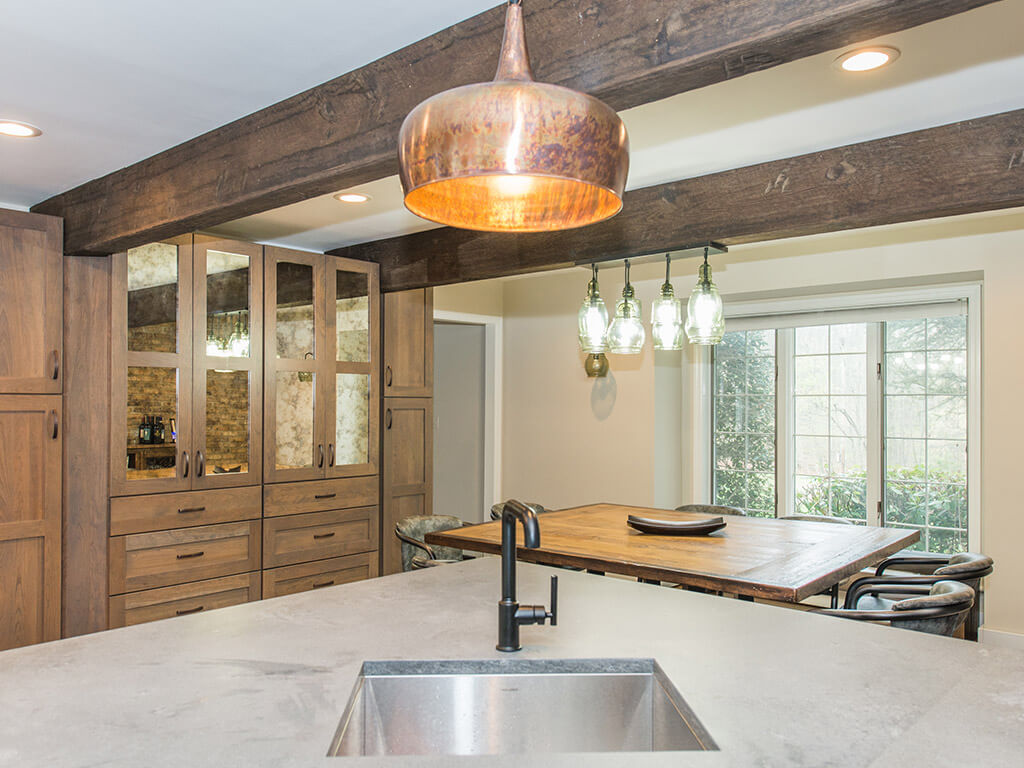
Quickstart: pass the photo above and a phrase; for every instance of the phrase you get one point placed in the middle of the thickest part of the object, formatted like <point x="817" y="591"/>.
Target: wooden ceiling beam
<point x="344" y="132"/>
<point x="967" y="167"/>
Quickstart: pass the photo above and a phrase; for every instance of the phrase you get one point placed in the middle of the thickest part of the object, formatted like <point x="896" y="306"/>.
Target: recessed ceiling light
<point x="866" y="59"/>
<point x="19" y="129"/>
<point x="352" y="197"/>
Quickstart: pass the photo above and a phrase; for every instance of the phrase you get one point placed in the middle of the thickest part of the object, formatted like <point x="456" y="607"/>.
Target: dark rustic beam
<point x="975" y="165"/>
<point x="343" y="133"/>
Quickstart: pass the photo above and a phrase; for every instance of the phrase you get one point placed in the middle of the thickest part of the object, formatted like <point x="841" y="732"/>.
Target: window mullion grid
<point x="785" y="455"/>
<point x="875" y="498"/>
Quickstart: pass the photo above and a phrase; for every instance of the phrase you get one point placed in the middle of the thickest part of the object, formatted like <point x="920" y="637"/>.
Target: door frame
<point x="492" y="394"/>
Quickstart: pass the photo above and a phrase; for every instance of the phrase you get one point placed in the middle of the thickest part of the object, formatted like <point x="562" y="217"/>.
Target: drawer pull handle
<point x="323" y="535"/>
<point x="323" y="584"/>
<point x="200" y="553"/>
<point x="325" y="496"/>
<point x="187" y="611"/>
<point x="186" y="510"/>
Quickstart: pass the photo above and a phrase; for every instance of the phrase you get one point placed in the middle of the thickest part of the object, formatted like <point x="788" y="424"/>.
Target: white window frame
<point x="740" y="315"/>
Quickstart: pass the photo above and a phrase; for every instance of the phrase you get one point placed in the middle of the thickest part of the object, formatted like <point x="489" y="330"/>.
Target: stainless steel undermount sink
<point x="514" y="707"/>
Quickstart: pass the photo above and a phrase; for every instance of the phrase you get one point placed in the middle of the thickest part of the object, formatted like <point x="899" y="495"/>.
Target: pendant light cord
<point x="668" y="268"/>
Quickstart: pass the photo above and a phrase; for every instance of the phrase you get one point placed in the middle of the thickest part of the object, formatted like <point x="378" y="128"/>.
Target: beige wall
<point x="570" y="440"/>
<point x="483" y="297"/>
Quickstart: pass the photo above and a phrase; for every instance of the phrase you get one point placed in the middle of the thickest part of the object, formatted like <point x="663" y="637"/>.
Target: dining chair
<point x="938" y="609"/>
<point x="817" y="519"/>
<point x="416" y="553"/>
<point x="711" y="509"/>
<point x="496" y="509"/>
<point x="926" y="568"/>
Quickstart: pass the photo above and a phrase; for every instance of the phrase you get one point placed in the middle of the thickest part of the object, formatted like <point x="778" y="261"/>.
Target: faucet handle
<point x="553" y="613"/>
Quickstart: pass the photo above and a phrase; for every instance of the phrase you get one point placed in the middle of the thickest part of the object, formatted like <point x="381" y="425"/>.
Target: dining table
<point x="751" y="557"/>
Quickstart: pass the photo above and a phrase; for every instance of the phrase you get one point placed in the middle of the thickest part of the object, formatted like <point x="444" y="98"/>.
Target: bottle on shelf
<point x="158" y="430"/>
<point x="146" y="433"/>
<point x="174" y="430"/>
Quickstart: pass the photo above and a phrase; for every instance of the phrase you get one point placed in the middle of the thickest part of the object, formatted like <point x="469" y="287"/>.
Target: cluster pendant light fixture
<point x="704" y="321"/>
<point x="513" y="155"/>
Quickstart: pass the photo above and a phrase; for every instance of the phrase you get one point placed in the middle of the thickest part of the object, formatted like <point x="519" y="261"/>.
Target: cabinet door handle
<point x="56" y="365"/>
<point x="323" y="535"/>
<point x="330" y="454"/>
<point x="184" y="463"/>
<point x="190" y="555"/>
<point x="324" y="495"/>
<point x="55" y="425"/>
<point x="187" y="611"/>
<point x="387" y="419"/>
<point x="200" y="464"/>
<point x="186" y="510"/>
<point x="320" y="450"/>
<point x="387" y="376"/>
<point x="323" y="584"/>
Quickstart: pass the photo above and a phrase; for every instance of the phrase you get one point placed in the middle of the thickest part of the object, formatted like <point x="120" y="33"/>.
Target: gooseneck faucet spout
<point x="511" y="615"/>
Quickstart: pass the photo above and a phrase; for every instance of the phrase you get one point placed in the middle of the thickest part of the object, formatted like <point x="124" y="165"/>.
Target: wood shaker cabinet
<point x="186" y="347"/>
<point x="406" y="476"/>
<point x="30" y="519"/>
<point x="409" y="343"/>
<point x="321" y="352"/>
<point x="31" y="303"/>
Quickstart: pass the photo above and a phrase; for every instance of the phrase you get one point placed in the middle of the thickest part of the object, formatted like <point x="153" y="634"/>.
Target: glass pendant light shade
<point x="705" y="317"/>
<point x="513" y="155"/>
<point x="667" y="316"/>
<point x="593" y="320"/>
<point x="626" y="334"/>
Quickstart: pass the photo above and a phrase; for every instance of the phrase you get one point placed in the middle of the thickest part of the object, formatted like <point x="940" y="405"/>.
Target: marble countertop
<point x="264" y="684"/>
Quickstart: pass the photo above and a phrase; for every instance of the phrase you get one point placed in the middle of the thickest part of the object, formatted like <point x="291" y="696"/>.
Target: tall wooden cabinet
<point x="407" y="445"/>
<point x="322" y="419"/>
<point x="30" y="428"/>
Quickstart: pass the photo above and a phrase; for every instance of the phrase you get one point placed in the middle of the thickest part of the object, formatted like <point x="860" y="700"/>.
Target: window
<point x="866" y="421"/>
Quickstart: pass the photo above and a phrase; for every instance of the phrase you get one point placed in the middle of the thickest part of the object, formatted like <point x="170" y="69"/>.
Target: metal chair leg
<point x="834" y="592"/>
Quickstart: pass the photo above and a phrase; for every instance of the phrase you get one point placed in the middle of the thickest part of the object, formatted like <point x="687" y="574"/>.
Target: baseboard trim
<point x="999" y="639"/>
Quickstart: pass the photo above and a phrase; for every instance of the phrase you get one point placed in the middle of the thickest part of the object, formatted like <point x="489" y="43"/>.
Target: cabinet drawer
<point x="299" y="538"/>
<point x="322" y="573"/>
<point x="145" y="560"/>
<point x="198" y="597"/>
<point x="163" y="511"/>
<point x="318" y="495"/>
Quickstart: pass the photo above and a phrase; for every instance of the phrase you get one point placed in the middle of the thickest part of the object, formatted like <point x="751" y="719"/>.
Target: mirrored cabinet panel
<point x="320" y="353"/>
<point x="186" y="361"/>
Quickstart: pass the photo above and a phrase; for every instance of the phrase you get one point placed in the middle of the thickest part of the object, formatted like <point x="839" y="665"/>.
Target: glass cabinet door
<point x="227" y="355"/>
<point x="294" y="447"/>
<point x="351" y="392"/>
<point x="151" y="368"/>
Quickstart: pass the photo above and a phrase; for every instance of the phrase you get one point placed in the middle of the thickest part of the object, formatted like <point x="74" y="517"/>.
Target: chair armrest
<point x="416" y="543"/>
<point x="847" y="613"/>
<point x="914" y="560"/>
<point x="867" y="584"/>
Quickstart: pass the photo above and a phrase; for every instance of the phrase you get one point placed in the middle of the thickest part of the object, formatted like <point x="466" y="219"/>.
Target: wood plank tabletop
<point x="787" y="560"/>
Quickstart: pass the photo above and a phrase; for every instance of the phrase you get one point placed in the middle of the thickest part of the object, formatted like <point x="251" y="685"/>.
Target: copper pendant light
<point x="513" y="155"/>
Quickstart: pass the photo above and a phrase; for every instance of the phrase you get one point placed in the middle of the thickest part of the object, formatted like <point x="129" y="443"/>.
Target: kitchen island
<point x="265" y="684"/>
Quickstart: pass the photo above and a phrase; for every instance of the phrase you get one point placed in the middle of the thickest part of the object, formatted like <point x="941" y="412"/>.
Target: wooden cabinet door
<point x="31" y="301"/>
<point x="409" y="343"/>
<point x="227" y="363"/>
<point x="350" y="386"/>
<point x="151" y="367"/>
<point x="407" y="470"/>
<point x="295" y="356"/>
<point x="30" y="519"/>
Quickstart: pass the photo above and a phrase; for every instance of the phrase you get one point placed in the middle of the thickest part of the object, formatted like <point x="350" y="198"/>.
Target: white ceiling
<point x="965" y="66"/>
<point x="114" y="81"/>
<point x="114" y="87"/>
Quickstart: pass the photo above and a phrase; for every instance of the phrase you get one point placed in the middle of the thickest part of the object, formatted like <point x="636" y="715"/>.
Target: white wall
<point x="569" y="440"/>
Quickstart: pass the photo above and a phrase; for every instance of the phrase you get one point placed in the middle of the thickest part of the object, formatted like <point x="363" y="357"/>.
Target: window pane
<point x="744" y="422"/>
<point x="926" y="430"/>
<point x="830" y="445"/>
